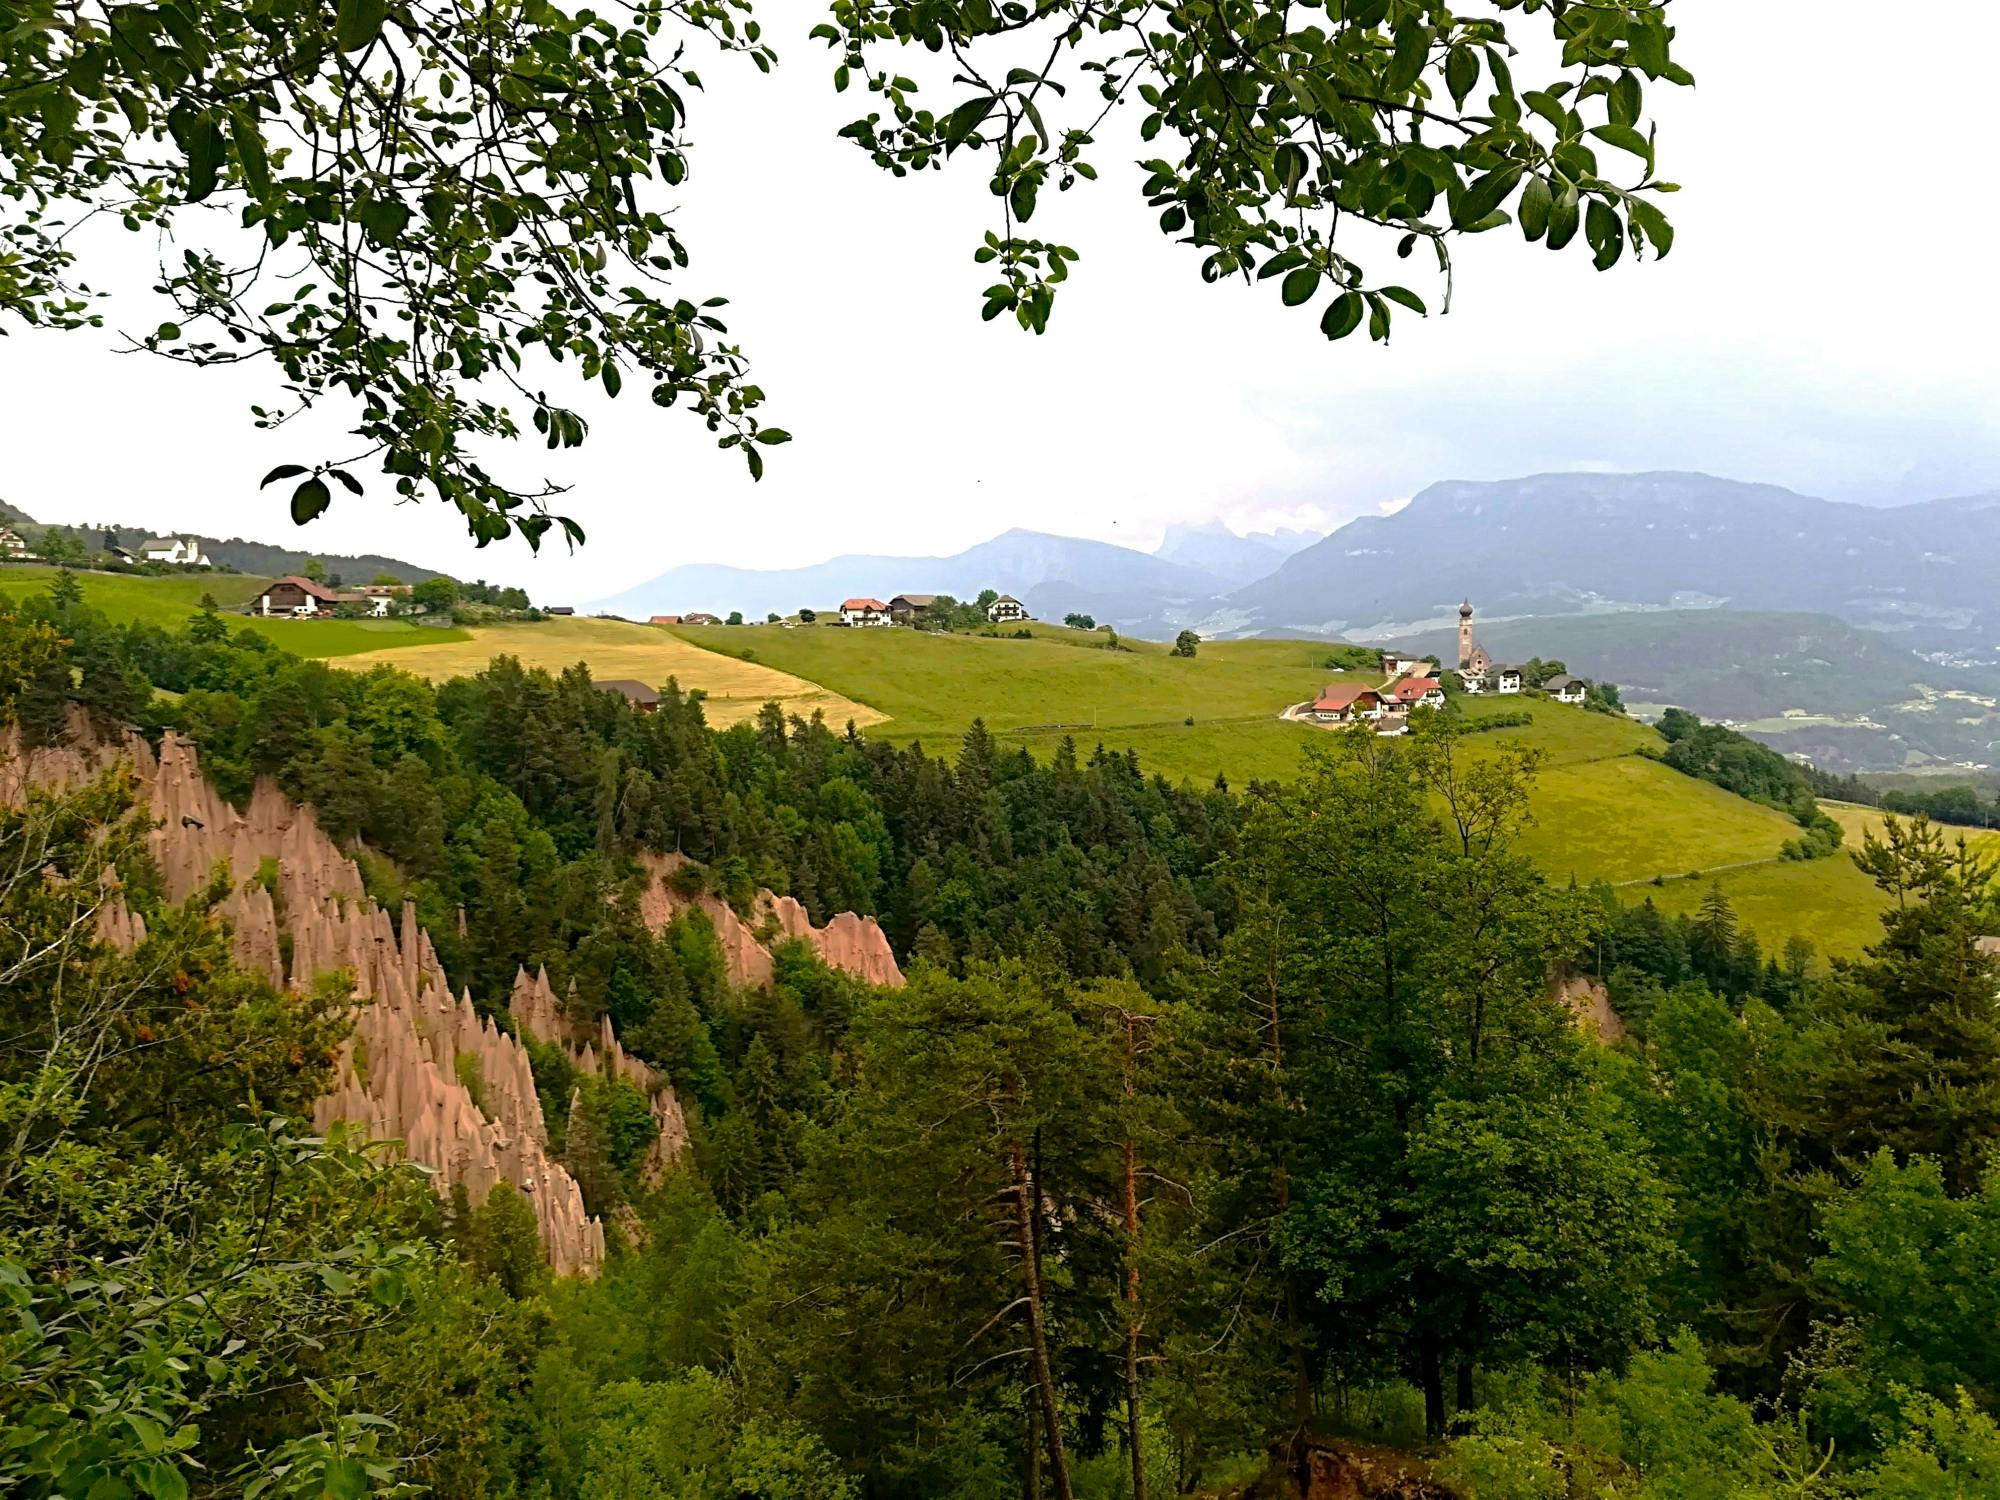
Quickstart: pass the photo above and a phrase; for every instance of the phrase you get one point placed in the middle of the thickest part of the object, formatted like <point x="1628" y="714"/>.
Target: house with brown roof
<point x="293" y="595"/>
<point x="1567" y="689"/>
<point x="905" y="608"/>
<point x="1006" y="608"/>
<point x="864" y="611"/>
<point x="1346" y="703"/>
<point x="700" y="618"/>
<point x="633" y="691"/>
<point x="665" y="620"/>
<point x="1415" y="692"/>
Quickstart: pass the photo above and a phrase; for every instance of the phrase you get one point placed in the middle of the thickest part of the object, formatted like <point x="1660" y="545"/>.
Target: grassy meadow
<point x="167" y="600"/>
<point x="615" y="648"/>
<point x="1603" y="812"/>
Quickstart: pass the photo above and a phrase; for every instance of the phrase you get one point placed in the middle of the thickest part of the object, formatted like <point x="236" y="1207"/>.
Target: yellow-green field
<point x="1827" y="901"/>
<point x="614" y="648"/>
<point x="930" y="686"/>
<point x="167" y="600"/>
<point x="1602" y="811"/>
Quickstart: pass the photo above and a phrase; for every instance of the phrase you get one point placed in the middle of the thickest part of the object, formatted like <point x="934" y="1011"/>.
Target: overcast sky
<point x="1826" y="321"/>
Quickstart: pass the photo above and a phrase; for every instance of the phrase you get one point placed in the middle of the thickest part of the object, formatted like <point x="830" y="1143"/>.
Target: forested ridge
<point x="1212" y="1124"/>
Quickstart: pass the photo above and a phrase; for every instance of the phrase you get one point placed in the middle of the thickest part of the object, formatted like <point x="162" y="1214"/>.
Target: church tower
<point x="1465" y="636"/>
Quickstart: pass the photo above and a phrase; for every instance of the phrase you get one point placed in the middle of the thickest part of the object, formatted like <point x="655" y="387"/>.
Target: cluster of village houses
<point x="901" y="610"/>
<point x="182" y="552"/>
<point x="1413" y="682"/>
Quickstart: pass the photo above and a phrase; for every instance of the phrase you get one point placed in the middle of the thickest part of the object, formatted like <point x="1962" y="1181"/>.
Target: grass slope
<point x="614" y="648"/>
<point x="169" y="599"/>
<point x="1603" y="812"/>
<point x="1827" y="901"/>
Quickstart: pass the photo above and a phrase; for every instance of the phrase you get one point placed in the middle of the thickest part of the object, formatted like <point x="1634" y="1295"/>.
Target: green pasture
<point x="167" y="600"/>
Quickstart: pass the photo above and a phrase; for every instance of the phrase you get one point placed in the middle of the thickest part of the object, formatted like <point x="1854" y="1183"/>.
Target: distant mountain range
<point x="1557" y="544"/>
<point x="1051" y="574"/>
<point x="1213" y="548"/>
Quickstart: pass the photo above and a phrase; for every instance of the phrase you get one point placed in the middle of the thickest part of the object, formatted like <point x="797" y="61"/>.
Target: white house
<point x="1005" y="608"/>
<point x="1507" y="680"/>
<point x="185" y="552"/>
<point x="11" y="544"/>
<point x="293" y="595"/>
<point x="1567" y="689"/>
<point x="1416" y="692"/>
<point x="863" y="612"/>
<point x="1345" y="702"/>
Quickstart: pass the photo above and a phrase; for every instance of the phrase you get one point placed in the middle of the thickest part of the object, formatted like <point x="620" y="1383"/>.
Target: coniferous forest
<point x="1219" y="1132"/>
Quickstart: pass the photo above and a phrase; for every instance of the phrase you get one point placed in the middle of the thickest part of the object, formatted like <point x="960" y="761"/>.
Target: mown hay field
<point x="615" y="648"/>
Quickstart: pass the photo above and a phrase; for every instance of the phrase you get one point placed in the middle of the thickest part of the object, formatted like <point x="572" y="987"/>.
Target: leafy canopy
<point x="418" y="208"/>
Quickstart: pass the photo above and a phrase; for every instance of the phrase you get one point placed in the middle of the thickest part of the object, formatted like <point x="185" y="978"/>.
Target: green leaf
<point x="1606" y="234"/>
<point x="309" y="500"/>
<point x="1343" y="316"/>
<point x="961" y="122"/>
<point x="283" y="471"/>
<point x="1283" y="261"/>
<point x="161" y="1479"/>
<point x="773" y="435"/>
<point x="1563" y="220"/>
<point x="205" y="150"/>
<point x="166" y="333"/>
<point x="1461" y="73"/>
<point x="1536" y="201"/>
<point x="1300" y="285"/>
<point x="1021" y="198"/>
<point x="1625" y="99"/>
<point x="356" y="23"/>
<point x="250" y="154"/>
<point x="345" y="1479"/>
<point x="613" y="381"/>
<point x="1406" y="63"/>
<point x="352" y="484"/>
<point x="1403" y="296"/>
<point x="1653" y="224"/>
<point x="1625" y="138"/>
<point x="1485" y="195"/>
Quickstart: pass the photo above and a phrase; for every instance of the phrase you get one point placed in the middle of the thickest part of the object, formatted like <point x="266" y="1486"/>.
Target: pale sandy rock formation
<point x="540" y="1015"/>
<point x="1590" y="1002"/>
<point x="420" y="1067"/>
<point x="853" y="943"/>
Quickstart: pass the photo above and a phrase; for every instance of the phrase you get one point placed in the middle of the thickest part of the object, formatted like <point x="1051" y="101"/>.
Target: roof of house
<point x="862" y="604"/>
<point x="1004" y="599"/>
<point x="304" y="585"/>
<point x="1507" y="671"/>
<point x="1343" y="695"/>
<point x="1557" y="684"/>
<point x="633" y="690"/>
<point x="701" y="617"/>
<point x="666" y="620"/>
<point x="1411" y="688"/>
<point x="159" y="544"/>
<point x="915" y="601"/>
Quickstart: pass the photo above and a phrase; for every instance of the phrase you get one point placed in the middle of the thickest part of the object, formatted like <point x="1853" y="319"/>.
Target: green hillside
<point x="168" y="599"/>
<point x="1604" y="812"/>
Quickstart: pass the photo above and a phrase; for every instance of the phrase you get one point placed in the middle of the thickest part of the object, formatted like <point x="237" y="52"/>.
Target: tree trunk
<point x="1132" y="1428"/>
<point x="1431" y="1375"/>
<point x="1032" y="1447"/>
<point x="1026" y="1192"/>
<point x="1464" y="1402"/>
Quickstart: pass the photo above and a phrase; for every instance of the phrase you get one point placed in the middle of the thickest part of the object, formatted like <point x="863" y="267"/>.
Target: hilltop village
<point x="1410" y="683"/>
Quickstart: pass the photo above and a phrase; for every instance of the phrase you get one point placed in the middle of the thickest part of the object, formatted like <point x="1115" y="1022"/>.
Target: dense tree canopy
<point x="1209" y="1126"/>
<point x="415" y="210"/>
